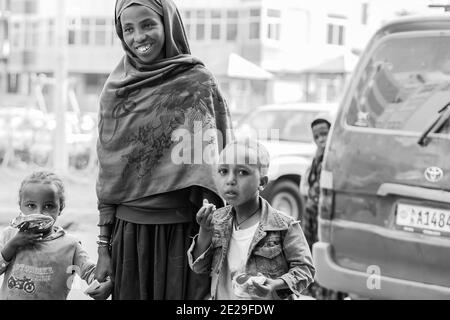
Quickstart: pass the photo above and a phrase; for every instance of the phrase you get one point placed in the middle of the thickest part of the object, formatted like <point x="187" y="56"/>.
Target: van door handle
<point x="413" y="192"/>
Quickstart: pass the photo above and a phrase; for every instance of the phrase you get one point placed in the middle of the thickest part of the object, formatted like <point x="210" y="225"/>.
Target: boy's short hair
<point x="45" y="177"/>
<point x="319" y="121"/>
<point x="263" y="156"/>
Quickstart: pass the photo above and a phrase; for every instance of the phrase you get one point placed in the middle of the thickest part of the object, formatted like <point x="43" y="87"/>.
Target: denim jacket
<point x="278" y="250"/>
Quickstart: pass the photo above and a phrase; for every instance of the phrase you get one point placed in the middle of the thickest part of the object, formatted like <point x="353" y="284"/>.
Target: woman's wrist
<point x="104" y="251"/>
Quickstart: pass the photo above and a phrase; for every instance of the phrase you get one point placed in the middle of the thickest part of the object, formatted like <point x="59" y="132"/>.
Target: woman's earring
<point x="261" y="188"/>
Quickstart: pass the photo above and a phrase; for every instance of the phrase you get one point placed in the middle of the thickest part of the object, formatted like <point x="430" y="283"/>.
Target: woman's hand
<point x="103" y="291"/>
<point x="104" y="265"/>
<point x="205" y="216"/>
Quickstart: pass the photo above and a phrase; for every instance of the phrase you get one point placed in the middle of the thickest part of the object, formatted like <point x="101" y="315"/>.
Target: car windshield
<point x="404" y="85"/>
<point x="293" y="125"/>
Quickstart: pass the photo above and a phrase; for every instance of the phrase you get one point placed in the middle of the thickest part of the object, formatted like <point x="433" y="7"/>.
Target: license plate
<point x="423" y="219"/>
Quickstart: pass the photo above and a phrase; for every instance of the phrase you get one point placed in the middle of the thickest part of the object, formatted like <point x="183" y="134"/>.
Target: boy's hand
<point x="103" y="291"/>
<point x="268" y="287"/>
<point x="205" y="215"/>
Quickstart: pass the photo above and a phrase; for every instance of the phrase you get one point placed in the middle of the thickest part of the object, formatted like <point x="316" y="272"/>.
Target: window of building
<point x="232" y="31"/>
<point x="24" y="6"/>
<point x="232" y="23"/>
<point x="255" y="12"/>
<point x="215" y="31"/>
<point x="50" y="33"/>
<point x="200" y="14"/>
<point x="273" y="24"/>
<point x="85" y="31"/>
<point x="18" y="35"/>
<point x="216" y="14"/>
<point x="100" y="32"/>
<point x="273" y="13"/>
<point x="5" y="5"/>
<point x="273" y="31"/>
<point x="200" y="32"/>
<point x="255" y="24"/>
<point x="200" y="25"/>
<point x="216" y="21"/>
<point x="233" y="14"/>
<point x="335" y="34"/>
<point x="30" y="6"/>
<point x="254" y="30"/>
<point x="13" y="82"/>
<point x="72" y="32"/>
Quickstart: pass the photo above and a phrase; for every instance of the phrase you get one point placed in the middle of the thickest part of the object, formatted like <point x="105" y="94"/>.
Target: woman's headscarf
<point x="143" y="109"/>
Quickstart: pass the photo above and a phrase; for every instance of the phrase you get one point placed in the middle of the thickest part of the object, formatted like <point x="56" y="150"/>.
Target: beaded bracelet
<point x="102" y="243"/>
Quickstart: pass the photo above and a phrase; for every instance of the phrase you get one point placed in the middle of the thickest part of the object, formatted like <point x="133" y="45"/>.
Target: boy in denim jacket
<point x="251" y="250"/>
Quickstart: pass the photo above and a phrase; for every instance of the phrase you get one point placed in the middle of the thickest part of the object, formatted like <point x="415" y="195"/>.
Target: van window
<point x="404" y="85"/>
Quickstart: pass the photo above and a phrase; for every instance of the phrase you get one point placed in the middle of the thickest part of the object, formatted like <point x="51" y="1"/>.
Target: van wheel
<point x="284" y="195"/>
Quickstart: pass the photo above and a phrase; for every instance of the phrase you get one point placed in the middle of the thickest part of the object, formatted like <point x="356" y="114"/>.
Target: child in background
<point x="320" y="128"/>
<point x="251" y="250"/>
<point x="38" y="263"/>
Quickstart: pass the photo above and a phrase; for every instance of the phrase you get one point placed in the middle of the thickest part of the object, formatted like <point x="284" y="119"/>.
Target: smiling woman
<point x="147" y="201"/>
<point x="143" y="32"/>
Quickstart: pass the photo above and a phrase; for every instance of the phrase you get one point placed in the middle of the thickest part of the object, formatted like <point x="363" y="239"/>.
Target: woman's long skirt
<point x="150" y="263"/>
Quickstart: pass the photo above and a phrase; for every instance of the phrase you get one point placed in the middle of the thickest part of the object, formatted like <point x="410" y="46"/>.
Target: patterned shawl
<point x="152" y="116"/>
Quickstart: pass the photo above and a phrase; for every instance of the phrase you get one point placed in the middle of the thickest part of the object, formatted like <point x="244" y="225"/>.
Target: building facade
<point x="92" y="49"/>
<point x="289" y="50"/>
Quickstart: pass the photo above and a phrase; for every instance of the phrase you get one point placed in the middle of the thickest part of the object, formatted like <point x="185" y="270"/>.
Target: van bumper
<point x="333" y="276"/>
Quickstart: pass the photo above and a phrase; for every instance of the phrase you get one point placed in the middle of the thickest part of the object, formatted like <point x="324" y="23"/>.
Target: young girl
<point x="251" y="250"/>
<point x="39" y="265"/>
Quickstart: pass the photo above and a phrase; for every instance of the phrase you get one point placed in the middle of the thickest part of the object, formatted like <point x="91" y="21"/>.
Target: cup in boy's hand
<point x="205" y="215"/>
<point x="243" y="285"/>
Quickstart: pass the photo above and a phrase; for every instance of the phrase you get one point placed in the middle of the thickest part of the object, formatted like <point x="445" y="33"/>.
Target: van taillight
<point x="326" y="204"/>
<point x="326" y="199"/>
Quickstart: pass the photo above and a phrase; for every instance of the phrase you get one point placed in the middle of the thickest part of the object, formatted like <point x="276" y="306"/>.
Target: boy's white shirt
<point x="236" y="259"/>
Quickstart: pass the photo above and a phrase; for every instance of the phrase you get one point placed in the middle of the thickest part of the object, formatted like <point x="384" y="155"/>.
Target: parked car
<point x="30" y="133"/>
<point x="291" y="148"/>
<point x="384" y="212"/>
